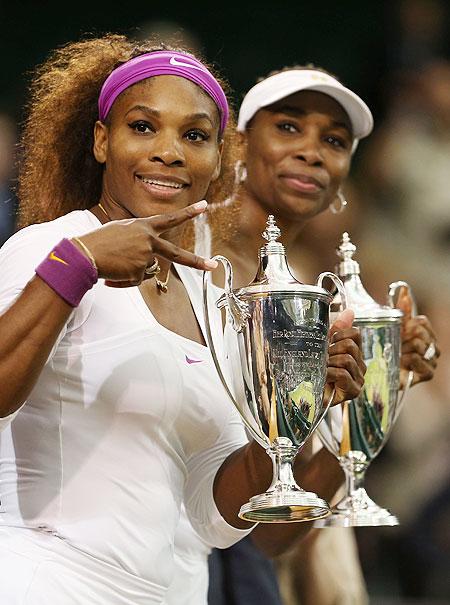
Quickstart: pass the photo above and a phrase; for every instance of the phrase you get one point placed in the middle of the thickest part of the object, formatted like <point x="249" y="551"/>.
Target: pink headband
<point x="160" y="63"/>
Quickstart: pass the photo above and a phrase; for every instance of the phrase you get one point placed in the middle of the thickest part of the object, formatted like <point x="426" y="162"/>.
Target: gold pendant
<point x="162" y="286"/>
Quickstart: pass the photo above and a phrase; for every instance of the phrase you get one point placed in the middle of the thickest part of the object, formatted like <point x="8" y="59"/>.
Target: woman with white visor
<point x="299" y="129"/>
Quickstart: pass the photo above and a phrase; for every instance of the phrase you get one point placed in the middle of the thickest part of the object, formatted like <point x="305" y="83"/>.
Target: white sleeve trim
<point x="229" y="534"/>
<point x="199" y="495"/>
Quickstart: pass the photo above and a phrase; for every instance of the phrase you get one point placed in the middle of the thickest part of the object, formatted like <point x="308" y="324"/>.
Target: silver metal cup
<point x="356" y="431"/>
<point x="282" y="334"/>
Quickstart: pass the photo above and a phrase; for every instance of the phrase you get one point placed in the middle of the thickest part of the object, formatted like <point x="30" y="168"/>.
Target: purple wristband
<point x="68" y="272"/>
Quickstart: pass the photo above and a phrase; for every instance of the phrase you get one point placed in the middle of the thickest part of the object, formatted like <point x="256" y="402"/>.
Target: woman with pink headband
<point x="111" y="412"/>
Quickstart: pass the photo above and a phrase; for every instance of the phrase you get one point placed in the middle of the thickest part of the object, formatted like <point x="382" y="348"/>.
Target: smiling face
<point x="298" y="153"/>
<point x="160" y="147"/>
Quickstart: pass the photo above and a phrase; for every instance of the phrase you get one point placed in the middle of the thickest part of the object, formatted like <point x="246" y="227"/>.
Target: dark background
<point x="374" y="46"/>
<point x="245" y="39"/>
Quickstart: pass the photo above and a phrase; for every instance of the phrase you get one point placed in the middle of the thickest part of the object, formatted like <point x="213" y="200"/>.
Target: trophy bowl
<point x="356" y="431"/>
<point x="281" y="327"/>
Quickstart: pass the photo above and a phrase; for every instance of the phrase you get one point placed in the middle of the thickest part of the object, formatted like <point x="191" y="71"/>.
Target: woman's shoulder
<point x="71" y="224"/>
<point x="21" y="253"/>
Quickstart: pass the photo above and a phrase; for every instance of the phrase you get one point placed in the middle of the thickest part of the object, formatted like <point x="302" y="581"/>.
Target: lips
<point x="302" y="182"/>
<point x="163" y="181"/>
<point x="162" y="186"/>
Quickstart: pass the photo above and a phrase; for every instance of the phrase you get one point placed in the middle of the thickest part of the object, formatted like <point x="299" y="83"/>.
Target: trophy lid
<point x="358" y="299"/>
<point x="273" y="274"/>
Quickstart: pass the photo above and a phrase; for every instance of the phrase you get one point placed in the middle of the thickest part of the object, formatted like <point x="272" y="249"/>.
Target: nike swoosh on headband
<point x="52" y="256"/>
<point x="160" y="63"/>
<point x="175" y="61"/>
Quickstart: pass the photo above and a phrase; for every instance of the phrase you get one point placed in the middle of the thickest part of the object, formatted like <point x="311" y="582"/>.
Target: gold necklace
<point x="162" y="286"/>
<point x="101" y="208"/>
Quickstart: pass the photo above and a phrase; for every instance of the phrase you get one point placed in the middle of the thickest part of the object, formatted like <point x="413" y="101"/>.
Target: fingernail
<point x="210" y="264"/>
<point x="200" y="205"/>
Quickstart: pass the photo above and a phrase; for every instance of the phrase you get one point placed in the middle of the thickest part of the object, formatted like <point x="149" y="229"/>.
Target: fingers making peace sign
<point x="124" y="249"/>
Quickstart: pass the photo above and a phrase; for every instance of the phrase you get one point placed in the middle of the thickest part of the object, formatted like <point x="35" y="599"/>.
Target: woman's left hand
<point x="346" y="367"/>
<point x="420" y="351"/>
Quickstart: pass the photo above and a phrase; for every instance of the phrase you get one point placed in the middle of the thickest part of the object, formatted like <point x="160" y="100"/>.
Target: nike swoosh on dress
<point x="190" y="361"/>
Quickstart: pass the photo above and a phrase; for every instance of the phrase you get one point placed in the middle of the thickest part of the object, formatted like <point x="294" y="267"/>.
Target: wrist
<point x="68" y="271"/>
<point x="76" y="241"/>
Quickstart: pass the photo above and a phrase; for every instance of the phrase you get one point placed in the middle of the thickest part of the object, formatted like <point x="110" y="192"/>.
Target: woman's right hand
<point x="417" y="337"/>
<point x="124" y="249"/>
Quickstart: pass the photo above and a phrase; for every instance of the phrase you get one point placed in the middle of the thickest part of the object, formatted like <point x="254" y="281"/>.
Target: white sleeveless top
<point x="126" y="420"/>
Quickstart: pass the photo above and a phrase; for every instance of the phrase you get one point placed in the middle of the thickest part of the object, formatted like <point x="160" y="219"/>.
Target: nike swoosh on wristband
<point x="189" y="360"/>
<point x="52" y="256"/>
<point x="174" y="61"/>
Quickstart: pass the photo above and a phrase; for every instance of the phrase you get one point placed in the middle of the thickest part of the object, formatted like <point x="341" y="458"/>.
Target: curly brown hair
<point x="58" y="171"/>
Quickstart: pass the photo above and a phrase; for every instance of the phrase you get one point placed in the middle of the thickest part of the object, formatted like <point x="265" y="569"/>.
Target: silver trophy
<point x="281" y="327"/>
<point x="356" y="431"/>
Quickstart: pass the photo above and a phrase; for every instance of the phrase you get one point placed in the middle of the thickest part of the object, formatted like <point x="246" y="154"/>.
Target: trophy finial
<point x="272" y="260"/>
<point x="272" y="232"/>
<point x="346" y="249"/>
<point x="358" y="297"/>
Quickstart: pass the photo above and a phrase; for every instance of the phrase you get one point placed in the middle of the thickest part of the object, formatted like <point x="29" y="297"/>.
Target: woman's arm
<point x="29" y="329"/>
<point x="30" y="326"/>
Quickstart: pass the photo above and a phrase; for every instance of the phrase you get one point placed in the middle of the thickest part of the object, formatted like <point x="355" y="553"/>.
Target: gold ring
<point x="153" y="270"/>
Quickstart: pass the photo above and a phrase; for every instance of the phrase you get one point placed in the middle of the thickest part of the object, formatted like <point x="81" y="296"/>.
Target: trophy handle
<point x="393" y="289"/>
<point x="238" y="309"/>
<point x="209" y="338"/>
<point x="338" y="283"/>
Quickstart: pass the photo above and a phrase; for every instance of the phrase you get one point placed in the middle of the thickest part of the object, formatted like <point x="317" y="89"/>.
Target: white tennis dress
<point x="126" y="420"/>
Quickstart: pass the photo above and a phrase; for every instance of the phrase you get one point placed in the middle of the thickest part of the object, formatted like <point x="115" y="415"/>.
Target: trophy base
<point x="284" y="507"/>
<point x="379" y="518"/>
<point x="358" y="510"/>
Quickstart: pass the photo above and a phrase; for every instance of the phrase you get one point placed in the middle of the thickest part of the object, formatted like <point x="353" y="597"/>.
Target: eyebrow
<point x="156" y="114"/>
<point x="145" y="109"/>
<point x="296" y="112"/>
<point x="200" y="116"/>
